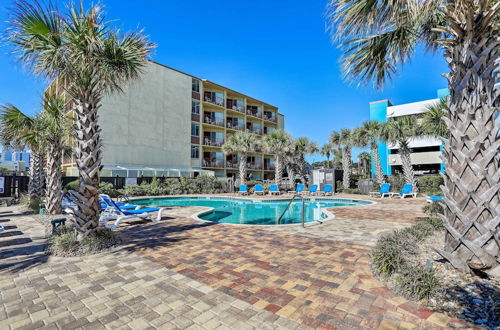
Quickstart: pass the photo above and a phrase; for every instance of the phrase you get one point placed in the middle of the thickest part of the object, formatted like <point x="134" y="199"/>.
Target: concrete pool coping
<point x="330" y="215"/>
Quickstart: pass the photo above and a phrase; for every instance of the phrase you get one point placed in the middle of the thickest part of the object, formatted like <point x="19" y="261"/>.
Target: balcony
<point x="254" y="129"/>
<point x="235" y="126"/>
<point x="212" y="163"/>
<point x="214" y="98"/>
<point x="232" y="164"/>
<point x="270" y="116"/>
<point x="236" y="105"/>
<point x="213" y="142"/>
<point x="254" y="111"/>
<point x="269" y="167"/>
<point x="254" y="166"/>
<point x="213" y="121"/>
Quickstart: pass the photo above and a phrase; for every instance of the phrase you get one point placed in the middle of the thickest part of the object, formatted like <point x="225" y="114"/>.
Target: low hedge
<point x="430" y="185"/>
<point x="393" y="258"/>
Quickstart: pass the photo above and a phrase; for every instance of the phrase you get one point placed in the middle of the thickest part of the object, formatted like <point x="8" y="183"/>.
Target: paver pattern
<point x="180" y="274"/>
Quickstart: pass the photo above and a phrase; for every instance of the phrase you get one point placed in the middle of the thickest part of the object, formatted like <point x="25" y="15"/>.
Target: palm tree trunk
<point x="54" y="178"/>
<point x="278" y="172"/>
<point x="291" y="173"/>
<point x="88" y="158"/>
<point x="379" y="174"/>
<point x="243" y="168"/>
<point x="471" y="157"/>
<point x="408" y="172"/>
<point x="34" y="184"/>
<point x="346" y="167"/>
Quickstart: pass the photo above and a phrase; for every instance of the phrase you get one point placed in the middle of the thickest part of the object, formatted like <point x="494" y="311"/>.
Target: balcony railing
<point x="211" y="121"/>
<point x="255" y="130"/>
<point x="213" y="143"/>
<point x="253" y="113"/>
<point x="215" y="100"/>
<point x="230" y="164"/>
<point x="213" y="163"/>
<point x="239" y="127"/>
<point x="270" y="118"/>
<point x="236" y="107"/>
<point x="254" y="166"/>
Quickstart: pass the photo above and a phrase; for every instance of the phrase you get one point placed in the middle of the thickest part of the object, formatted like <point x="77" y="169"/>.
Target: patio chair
<point x="259" y="190"/>
<point x="106" y="201"/>
<point x="1" y="228"/>
<point x="273" y="189"/>
<point x="327" y="190"/>
<point x="406" y="191"/>
<point x="243" y="189"/>
<point x="298" y="189"/>
<point x="120" y="215"/>
<point x="313" y="189"/>
<point x="385" y="190"/>
<point x="434" y="199"/>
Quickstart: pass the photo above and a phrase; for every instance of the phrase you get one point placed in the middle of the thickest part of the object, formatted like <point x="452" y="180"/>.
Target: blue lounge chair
<point x="120" y="215"/>
<point x="434" y="199"/>
<point x="243" y="189"/>
<point x="313" y="189"/>
<point x="298" y="189"/>
<point x="406" y="191"/>
<point x="385" y="190"/>
<point x="259" y="190"/>
<point x="327" y="190"/>
<point x="106" y="201"/>
<point x="273" y="189"/>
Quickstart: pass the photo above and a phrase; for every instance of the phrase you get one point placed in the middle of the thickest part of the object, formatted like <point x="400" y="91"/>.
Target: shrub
<point x="417" y="281"/>
<point x="430" y="185"/>
<point x="65" y="243"/>
<point x="433" y="209"/>
<point x="108" y="189"/>
<point x="73" y="185"/>
<point x="34" y="205"/>
<point x="351" y="191"/>
<point x="397" y="182"/>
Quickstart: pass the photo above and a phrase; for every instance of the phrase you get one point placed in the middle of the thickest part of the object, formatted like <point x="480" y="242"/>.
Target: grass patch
<point x="65" y="243"/>
<point x="394" y="258"/>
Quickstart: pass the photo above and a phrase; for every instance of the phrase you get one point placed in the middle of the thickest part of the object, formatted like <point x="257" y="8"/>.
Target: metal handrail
<point x="290" y="203"/>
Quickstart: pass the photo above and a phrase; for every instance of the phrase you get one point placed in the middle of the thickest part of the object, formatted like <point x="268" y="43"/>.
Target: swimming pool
<point x="253" y="212"/>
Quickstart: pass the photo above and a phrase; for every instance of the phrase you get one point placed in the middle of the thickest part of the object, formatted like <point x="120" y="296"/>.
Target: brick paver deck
<point x="179" y="274"/>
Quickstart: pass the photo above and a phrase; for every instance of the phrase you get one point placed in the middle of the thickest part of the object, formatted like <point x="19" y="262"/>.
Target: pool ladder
<point x="303" y="210"/>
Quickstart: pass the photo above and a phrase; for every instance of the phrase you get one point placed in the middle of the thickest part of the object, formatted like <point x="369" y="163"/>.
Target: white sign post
<point x="2" y="184"/>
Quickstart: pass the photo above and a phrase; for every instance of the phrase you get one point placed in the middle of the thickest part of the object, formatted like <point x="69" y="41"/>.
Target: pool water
<point x="253" y="212"/>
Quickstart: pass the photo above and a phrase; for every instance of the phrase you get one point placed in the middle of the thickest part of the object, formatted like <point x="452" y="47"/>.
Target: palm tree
<point x="433" y="123"/>
<point x="22" y="130"/>
<point x="367" y="135"/>
<point x="326" y="151"/>
<point x="303" y="147"/>
<point x="399" y="131"/>
<point x="278" y="143"/>
<point x="241" y="144"/>
<point x="337" y="158"/>
<point x="89" y="61"/>
<point x="365" y="158"/>
<point x="56" y="132"/>
<point x="378" y="37"/>
<point x="343" y="140"/>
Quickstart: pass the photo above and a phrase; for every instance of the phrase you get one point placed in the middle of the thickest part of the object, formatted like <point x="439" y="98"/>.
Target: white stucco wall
<point x="150" y="123"/>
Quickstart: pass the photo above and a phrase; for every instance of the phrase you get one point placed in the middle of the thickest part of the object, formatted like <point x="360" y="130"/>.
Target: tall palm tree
<point x="278" y="143"/>
<point x="433" y="122"/>
<point x="343" y="140"/>
<point x="326" y="151"/>
<point x="56" y="132"/>
<point x="89" y="60"/>
<point x="303" y="147"/>
<point x="22" y="130"/>
<point x="378" y="37"/>
<point x="367" y="136"/>
<point x="337" y="158"/>
<point x="365" y="158"/>
<point x="241" y="144"/>
<point x="399" y="131"/>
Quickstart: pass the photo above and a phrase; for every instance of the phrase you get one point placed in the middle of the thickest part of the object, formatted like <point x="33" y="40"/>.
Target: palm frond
<point x="432" y="120"/>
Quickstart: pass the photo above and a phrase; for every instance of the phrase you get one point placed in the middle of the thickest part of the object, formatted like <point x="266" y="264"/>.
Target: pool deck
<point x="177" y="274"/>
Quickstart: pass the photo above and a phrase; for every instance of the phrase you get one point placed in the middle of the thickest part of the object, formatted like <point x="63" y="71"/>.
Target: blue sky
<point x="276" y="51"/>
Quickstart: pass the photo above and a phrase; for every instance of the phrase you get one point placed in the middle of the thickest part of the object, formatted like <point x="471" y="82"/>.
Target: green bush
<point x="73" y="185"/>
<point x="65" y="243"/>
<point x="394" y="258"/>
<point x="397" y="182"/>
<point x="351" y="191"/>
<point x="107" y="189"/>
<point x="430" y="185"/>
<point x="433" y="209"/>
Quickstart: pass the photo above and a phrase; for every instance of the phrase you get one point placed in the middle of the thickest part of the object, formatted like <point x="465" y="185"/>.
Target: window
<point x="195" y="86"/>
<point x="195" y="107"/>
<point x="195" y="130"/>
<point x="195" y="152"/>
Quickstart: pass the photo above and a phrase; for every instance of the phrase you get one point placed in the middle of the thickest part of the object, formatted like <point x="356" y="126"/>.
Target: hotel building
<point x="425" y="152"/>
<point x="169" y="123"/>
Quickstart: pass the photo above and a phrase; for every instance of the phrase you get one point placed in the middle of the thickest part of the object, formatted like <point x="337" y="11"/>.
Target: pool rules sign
<point x="2" y="184"/>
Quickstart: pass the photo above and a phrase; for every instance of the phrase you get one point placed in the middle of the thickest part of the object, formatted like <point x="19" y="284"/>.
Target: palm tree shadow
<point x="146" y="235"/>
<point x="479" y="305"/>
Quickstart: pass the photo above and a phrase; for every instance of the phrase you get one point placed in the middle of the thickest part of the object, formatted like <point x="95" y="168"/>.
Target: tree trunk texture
<point x="379" y="174"/>
<point x="291" y="173"/>
<point x="54" y="178"/>
<point x="346" y="167"/>
<point x="471" y="152"/>
<point x="242" y="168"/>
<point x="88" y="156"/>
<point x="278" y="171"/>
<point x="408" y="172"/>
<point x="35" y="184"/>
<point x="303" y="170"/>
